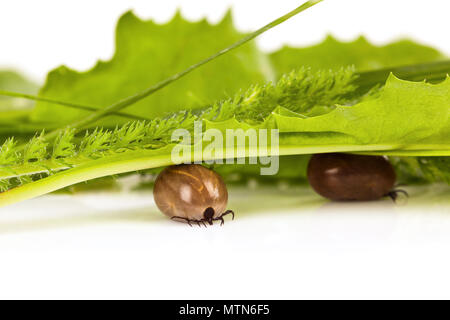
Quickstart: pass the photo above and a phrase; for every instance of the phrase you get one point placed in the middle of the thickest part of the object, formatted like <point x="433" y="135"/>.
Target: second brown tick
<point x="347" y="177"/>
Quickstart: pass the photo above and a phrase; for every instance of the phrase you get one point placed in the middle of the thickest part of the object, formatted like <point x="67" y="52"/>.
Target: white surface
<point x="283" y="244"/>
<point x="37" y="36"/>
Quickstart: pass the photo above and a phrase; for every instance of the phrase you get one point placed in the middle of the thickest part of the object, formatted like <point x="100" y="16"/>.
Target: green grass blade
<point x="78" y="125"/>
<point x="64" y="103"/>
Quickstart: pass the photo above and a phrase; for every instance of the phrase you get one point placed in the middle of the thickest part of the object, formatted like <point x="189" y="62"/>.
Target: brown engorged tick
<point x="191" y="193"/>
<point x="345" y="177"/>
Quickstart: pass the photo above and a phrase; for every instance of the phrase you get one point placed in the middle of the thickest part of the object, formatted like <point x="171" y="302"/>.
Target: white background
<point x="37" y="36"/>
<point x="283" y="244"/>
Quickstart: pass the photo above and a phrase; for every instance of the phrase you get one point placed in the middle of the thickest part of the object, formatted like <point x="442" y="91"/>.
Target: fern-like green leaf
<point x="297" y="91"/>
<point x="4" y="185"/>
<point x="300" y="90"/>
<point x="64" y="146"/>
<point x="8" y="155"/>
<point x="36" y="149"/>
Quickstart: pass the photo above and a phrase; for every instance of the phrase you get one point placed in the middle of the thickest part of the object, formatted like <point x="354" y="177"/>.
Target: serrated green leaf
<point x="332" y="54"/>
<point x="404" y="113"/>
<point x="146" y="53"/>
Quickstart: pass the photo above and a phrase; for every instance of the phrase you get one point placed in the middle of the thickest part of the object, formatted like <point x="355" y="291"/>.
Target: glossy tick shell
<point x="189" y="191"/>
<point x="340" y="176"/>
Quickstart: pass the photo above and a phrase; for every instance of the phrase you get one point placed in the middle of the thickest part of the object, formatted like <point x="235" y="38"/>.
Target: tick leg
<point x="222" y="222"/>
<point x="401" y="191"/>
<point x="182" y="218"/>
<point x="228" y="212"/>
<point x="394" y="194"/>
<point x="203" y="222"/>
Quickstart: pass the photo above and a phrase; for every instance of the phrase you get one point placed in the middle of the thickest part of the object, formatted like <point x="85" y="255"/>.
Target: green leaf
<point x="405" y="117"/>
<point x="13" y="81"/>
<point x="435" y="168"/>
<point x="405" y="114"/>
<point x="14" y="112"/>
<point x="422" y="169"/>
<point x="300" y="91"/>
<point x="146" y="53"/>
<point x="332" y="54"/>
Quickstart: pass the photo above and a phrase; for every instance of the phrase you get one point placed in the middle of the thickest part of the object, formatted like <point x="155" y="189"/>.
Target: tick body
<point x="191" y="193"/>
<point x="346" y="177"/>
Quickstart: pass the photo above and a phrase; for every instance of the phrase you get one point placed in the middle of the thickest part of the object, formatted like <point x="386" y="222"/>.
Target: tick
<point x="346" y="177"/>
<point x="191" y="193"/>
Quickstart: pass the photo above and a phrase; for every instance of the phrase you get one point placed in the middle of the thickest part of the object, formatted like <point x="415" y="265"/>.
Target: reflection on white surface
<point x="283" y="244"/>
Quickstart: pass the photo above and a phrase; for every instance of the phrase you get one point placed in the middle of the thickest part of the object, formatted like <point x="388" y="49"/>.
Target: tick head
<point x="208" y="214"/>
